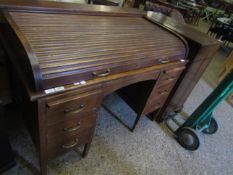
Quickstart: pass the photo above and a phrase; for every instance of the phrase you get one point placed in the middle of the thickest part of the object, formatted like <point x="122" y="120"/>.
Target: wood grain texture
<point x="23" y="53"/>
<point x="109" y="47"/>
<point x="66" y="45"/>
<point x="202" y="50"/>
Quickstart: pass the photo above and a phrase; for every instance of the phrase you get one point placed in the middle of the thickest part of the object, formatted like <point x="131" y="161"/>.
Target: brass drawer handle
<point x="102" y="74"/>
<point x="170" y="79"/>
<point x="74" y="110"/>
<point x="163" y="61"/>
<point x="163" y="93"/>
<point x="70" y="145"/>
<point x="73" y="128"/>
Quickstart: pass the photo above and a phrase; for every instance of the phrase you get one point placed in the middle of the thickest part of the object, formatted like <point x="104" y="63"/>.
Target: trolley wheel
<point x="213" y="127"/>
<point x="188" y="138"/>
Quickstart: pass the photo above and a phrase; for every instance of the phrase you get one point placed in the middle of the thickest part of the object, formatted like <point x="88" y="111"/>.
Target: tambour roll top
<point x="64" y="48"/>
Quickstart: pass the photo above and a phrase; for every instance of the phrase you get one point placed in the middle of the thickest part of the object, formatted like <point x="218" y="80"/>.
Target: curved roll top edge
<point x="35" y="72"/>
<point x="30" y="64"/>
<point x="149" y="17"/>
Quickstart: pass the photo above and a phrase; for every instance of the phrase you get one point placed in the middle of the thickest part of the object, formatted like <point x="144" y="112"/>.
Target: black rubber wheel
<point x="213" y="127"/>
<point x="188" y="138"/>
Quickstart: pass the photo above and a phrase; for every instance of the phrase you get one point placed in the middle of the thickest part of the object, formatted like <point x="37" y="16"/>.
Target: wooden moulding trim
<point x="102" y="80"/>
<point x="171" y="31"/>
<point x="182" y="29"/>
<point x="35" y="69"/>
<point x="65" y="7"/>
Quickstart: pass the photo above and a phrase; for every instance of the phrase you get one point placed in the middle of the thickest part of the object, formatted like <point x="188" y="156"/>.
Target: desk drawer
<point x="162" y="91"/>
<point x="154" y="104"/>
<point x="62" y="144"/>
<point x="170" y="76"/>
<point x="72" y="105"/>
<point x="72" y="126"/>
<point x="158" y="97"/>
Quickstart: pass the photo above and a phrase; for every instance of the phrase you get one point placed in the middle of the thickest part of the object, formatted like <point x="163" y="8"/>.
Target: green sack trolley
<point x="201" y="120"/>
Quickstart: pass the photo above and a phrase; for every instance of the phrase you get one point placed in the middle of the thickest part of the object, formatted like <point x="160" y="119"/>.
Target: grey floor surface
<point x="150" y="150"/>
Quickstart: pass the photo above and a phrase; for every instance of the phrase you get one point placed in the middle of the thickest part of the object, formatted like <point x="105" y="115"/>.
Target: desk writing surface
<point x="71" y="44"/>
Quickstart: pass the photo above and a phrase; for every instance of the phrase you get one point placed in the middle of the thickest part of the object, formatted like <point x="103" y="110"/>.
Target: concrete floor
<point x="150" y="150"/>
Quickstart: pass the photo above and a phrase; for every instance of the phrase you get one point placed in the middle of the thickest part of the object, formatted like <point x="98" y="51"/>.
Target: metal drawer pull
<point x="102" y="74"/>
<point x="164" y="92"/>
<point x="70" y="145"/>
<point x="73" y="128"/>
<point x="170" y="79"/>
<point x="163" y="61"/>
<point x="74" y="110"/>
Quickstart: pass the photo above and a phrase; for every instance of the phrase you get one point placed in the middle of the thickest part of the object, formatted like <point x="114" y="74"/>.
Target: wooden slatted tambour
<point x="115" y="49"/>
<point x="67" y="45"/>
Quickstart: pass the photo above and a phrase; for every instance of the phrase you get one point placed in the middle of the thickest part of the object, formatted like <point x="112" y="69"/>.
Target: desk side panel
<point x="19" y="55"/>
<point x="202" y="49"/>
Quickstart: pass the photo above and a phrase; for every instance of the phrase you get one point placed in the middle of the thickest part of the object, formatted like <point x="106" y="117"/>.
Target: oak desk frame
<point x="200" y="49"/>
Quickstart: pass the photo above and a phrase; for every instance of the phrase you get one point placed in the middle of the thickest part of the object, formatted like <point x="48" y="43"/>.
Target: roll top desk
<point x="67" y="57"/>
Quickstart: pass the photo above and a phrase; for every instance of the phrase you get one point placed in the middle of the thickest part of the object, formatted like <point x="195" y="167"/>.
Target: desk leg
<point x="43" y="166"/>
<point x="88" y="145"/>
<point x="86" y="149"/>
<point x="136" y="122"/>
<point x="42" y="136"/>
<point x="7" y="157"/>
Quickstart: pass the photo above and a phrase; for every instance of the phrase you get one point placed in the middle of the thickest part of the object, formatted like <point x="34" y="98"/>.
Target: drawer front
<point x="162" y="91"/>
<point x="60" y="145"/>
<point x="170" y="76"/>
<point x="154" y="104"/>
<point x="72" y="126"/>
<point x="158" y="97"/>
<point x="71" y="106"/>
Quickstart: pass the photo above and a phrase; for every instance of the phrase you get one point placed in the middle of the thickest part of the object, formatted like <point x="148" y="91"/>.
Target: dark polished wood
<point x="54" y="45"/>
<point x="100" y="41"/>
<point x="202" y="49"/>
<point x="5" y="87"/>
